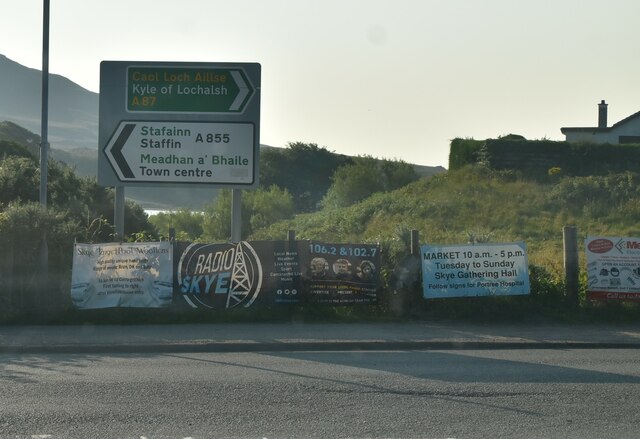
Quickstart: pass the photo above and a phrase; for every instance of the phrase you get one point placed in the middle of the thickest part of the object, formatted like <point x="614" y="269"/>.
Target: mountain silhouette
<point x="73" y="110"/>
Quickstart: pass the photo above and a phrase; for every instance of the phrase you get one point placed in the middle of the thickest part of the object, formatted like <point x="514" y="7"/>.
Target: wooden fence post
<point x="571" y="267"/>
<point x="415" y="243"/>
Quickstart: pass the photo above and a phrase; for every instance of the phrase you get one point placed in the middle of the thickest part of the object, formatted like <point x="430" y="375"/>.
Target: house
<point x="625" y="131"/>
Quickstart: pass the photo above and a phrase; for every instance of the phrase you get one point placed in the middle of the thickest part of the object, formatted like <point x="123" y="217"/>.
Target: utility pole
<point x="44" y="157"/>
<point x="44" y="122"/>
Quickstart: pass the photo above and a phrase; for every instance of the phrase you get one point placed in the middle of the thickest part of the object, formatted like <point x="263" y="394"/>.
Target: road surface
<point x="519" y="393"/>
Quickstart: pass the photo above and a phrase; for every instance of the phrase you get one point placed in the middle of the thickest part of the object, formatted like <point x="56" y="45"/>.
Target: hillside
<point x="15" y="133"/>
<point x="476" y="204"/>
<point x="73" y="110"/>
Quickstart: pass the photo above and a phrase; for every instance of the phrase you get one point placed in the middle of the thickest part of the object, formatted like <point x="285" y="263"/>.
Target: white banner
<point x="122" y="275"/>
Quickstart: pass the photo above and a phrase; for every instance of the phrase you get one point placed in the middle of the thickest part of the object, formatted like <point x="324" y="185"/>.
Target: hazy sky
<point x="388" y="78"/>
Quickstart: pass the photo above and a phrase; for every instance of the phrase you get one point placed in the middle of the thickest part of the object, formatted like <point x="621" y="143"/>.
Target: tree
<point x="19" y="180"/>
<point x="303" y="169"/>
<point x="216" y="222"/>
<point x="366" y="176"/>
<point x="187" y="224"/>
<point x="268" y="206"/>
<point x="260" y="208"/>
<point x="79" y="198"/>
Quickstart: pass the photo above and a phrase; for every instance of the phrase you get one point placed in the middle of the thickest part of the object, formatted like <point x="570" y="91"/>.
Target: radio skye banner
<point x="122" y="275"/>
<point x="613" y="268"/>
<point x="225" y="276"/>
<point x="475" y="270"/>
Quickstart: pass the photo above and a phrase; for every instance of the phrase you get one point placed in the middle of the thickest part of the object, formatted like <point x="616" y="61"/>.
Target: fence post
<point x="571" y="268"/>
<point x="415" y="243"/>
<point x="404" y="299"/>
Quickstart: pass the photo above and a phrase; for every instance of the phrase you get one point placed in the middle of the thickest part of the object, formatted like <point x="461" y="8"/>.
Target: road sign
<point x="182" y="152"/>
<point x="187" y="89"/>
<point x="179" y="124"/>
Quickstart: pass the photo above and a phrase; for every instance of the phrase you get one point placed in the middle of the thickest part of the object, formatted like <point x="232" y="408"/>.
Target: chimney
<point x="602" y="114"/>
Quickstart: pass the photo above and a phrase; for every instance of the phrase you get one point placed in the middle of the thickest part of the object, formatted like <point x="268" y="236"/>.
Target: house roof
<point x="565" y="130"/>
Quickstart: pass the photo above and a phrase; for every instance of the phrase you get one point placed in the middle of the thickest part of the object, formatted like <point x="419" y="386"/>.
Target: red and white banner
<point x="613" y="268"/>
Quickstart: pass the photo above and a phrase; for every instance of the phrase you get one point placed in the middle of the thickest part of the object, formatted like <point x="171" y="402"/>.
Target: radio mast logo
<point x="217" y="276"/>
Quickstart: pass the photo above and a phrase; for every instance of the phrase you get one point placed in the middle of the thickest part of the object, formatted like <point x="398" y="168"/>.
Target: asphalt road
<point x="522" y="393"/>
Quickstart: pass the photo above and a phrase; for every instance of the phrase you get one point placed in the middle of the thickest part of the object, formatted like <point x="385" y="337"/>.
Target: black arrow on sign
<point x="116" y="150"/>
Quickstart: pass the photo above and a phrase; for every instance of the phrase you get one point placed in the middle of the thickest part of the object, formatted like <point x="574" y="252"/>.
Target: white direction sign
<point x="182" y="152"/>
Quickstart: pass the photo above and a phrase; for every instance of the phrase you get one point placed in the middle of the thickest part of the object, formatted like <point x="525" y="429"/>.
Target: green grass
<point x="472" y="204"/>
<point x="477" y="204"/>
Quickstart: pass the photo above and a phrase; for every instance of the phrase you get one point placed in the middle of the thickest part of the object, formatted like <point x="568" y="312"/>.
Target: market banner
<point x="242" y="275"/>
<point x="122" y="275"/>
<point x="342" y="274"/>
<point x="613" y="268"/>
<point x="475" y="270"/>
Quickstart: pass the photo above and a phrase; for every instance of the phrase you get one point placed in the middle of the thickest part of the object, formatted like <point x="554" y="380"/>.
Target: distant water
<point x="152" y="212"/>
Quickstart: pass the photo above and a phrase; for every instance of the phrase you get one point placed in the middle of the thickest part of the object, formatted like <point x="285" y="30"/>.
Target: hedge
<point x="535" y="157"/>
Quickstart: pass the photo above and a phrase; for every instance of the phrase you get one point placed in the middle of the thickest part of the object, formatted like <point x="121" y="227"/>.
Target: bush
<point x="22" y="230"/>
<point x="260" y="208"/>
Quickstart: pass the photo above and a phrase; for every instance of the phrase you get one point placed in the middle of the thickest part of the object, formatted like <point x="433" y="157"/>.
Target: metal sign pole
<point x="44" y="157"/>
<point x="44" y="123"/>
<point x="236" y="215"/>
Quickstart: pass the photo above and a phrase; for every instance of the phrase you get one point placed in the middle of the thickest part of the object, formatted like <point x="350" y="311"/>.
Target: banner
<point x="224" y="276"/>
<point x="613" y="268"/>
<point x="475" y="270"/>
<point x="342" y="274"/>
<point x="122" y="275"/>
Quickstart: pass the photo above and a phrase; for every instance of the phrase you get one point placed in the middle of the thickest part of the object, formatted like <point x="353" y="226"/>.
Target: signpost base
<point x="236" y="215"/>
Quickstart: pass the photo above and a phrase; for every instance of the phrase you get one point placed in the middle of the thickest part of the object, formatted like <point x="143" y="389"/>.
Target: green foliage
<point x="607" y="191"/>
<point x="478" y="204"/>
<point x="12" y="149"/>
<point x="512" y="137"/>
<point x="268" y="206"/>
<point x="77" y="211"/>
<point x="260" y="208"/>
<point x="370" y="201"/>
<point x="535" y="158"/>
<point x="366" y="176"/>
<point x="80" y="198"/>
<point x="22" y="230"/>
<point x="19" y="180"/>
<point x="216" y="224"/>
<point x="187" y="224"/>
<point x="464" y="152"/>
<point x="18" y="136"/>
<point x="303" y="169"/>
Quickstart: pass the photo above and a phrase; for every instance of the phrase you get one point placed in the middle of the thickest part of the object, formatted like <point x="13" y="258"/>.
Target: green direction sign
<point x="187" y="89"/>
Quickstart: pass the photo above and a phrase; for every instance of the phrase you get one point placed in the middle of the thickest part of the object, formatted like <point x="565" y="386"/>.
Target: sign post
<point x="179" y="124"/>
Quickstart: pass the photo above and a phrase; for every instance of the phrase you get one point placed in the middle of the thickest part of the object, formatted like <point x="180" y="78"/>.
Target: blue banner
<point x="474" y="270"/>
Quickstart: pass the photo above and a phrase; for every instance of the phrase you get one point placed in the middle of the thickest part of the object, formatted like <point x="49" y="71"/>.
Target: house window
<point x="629" y="139"/>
